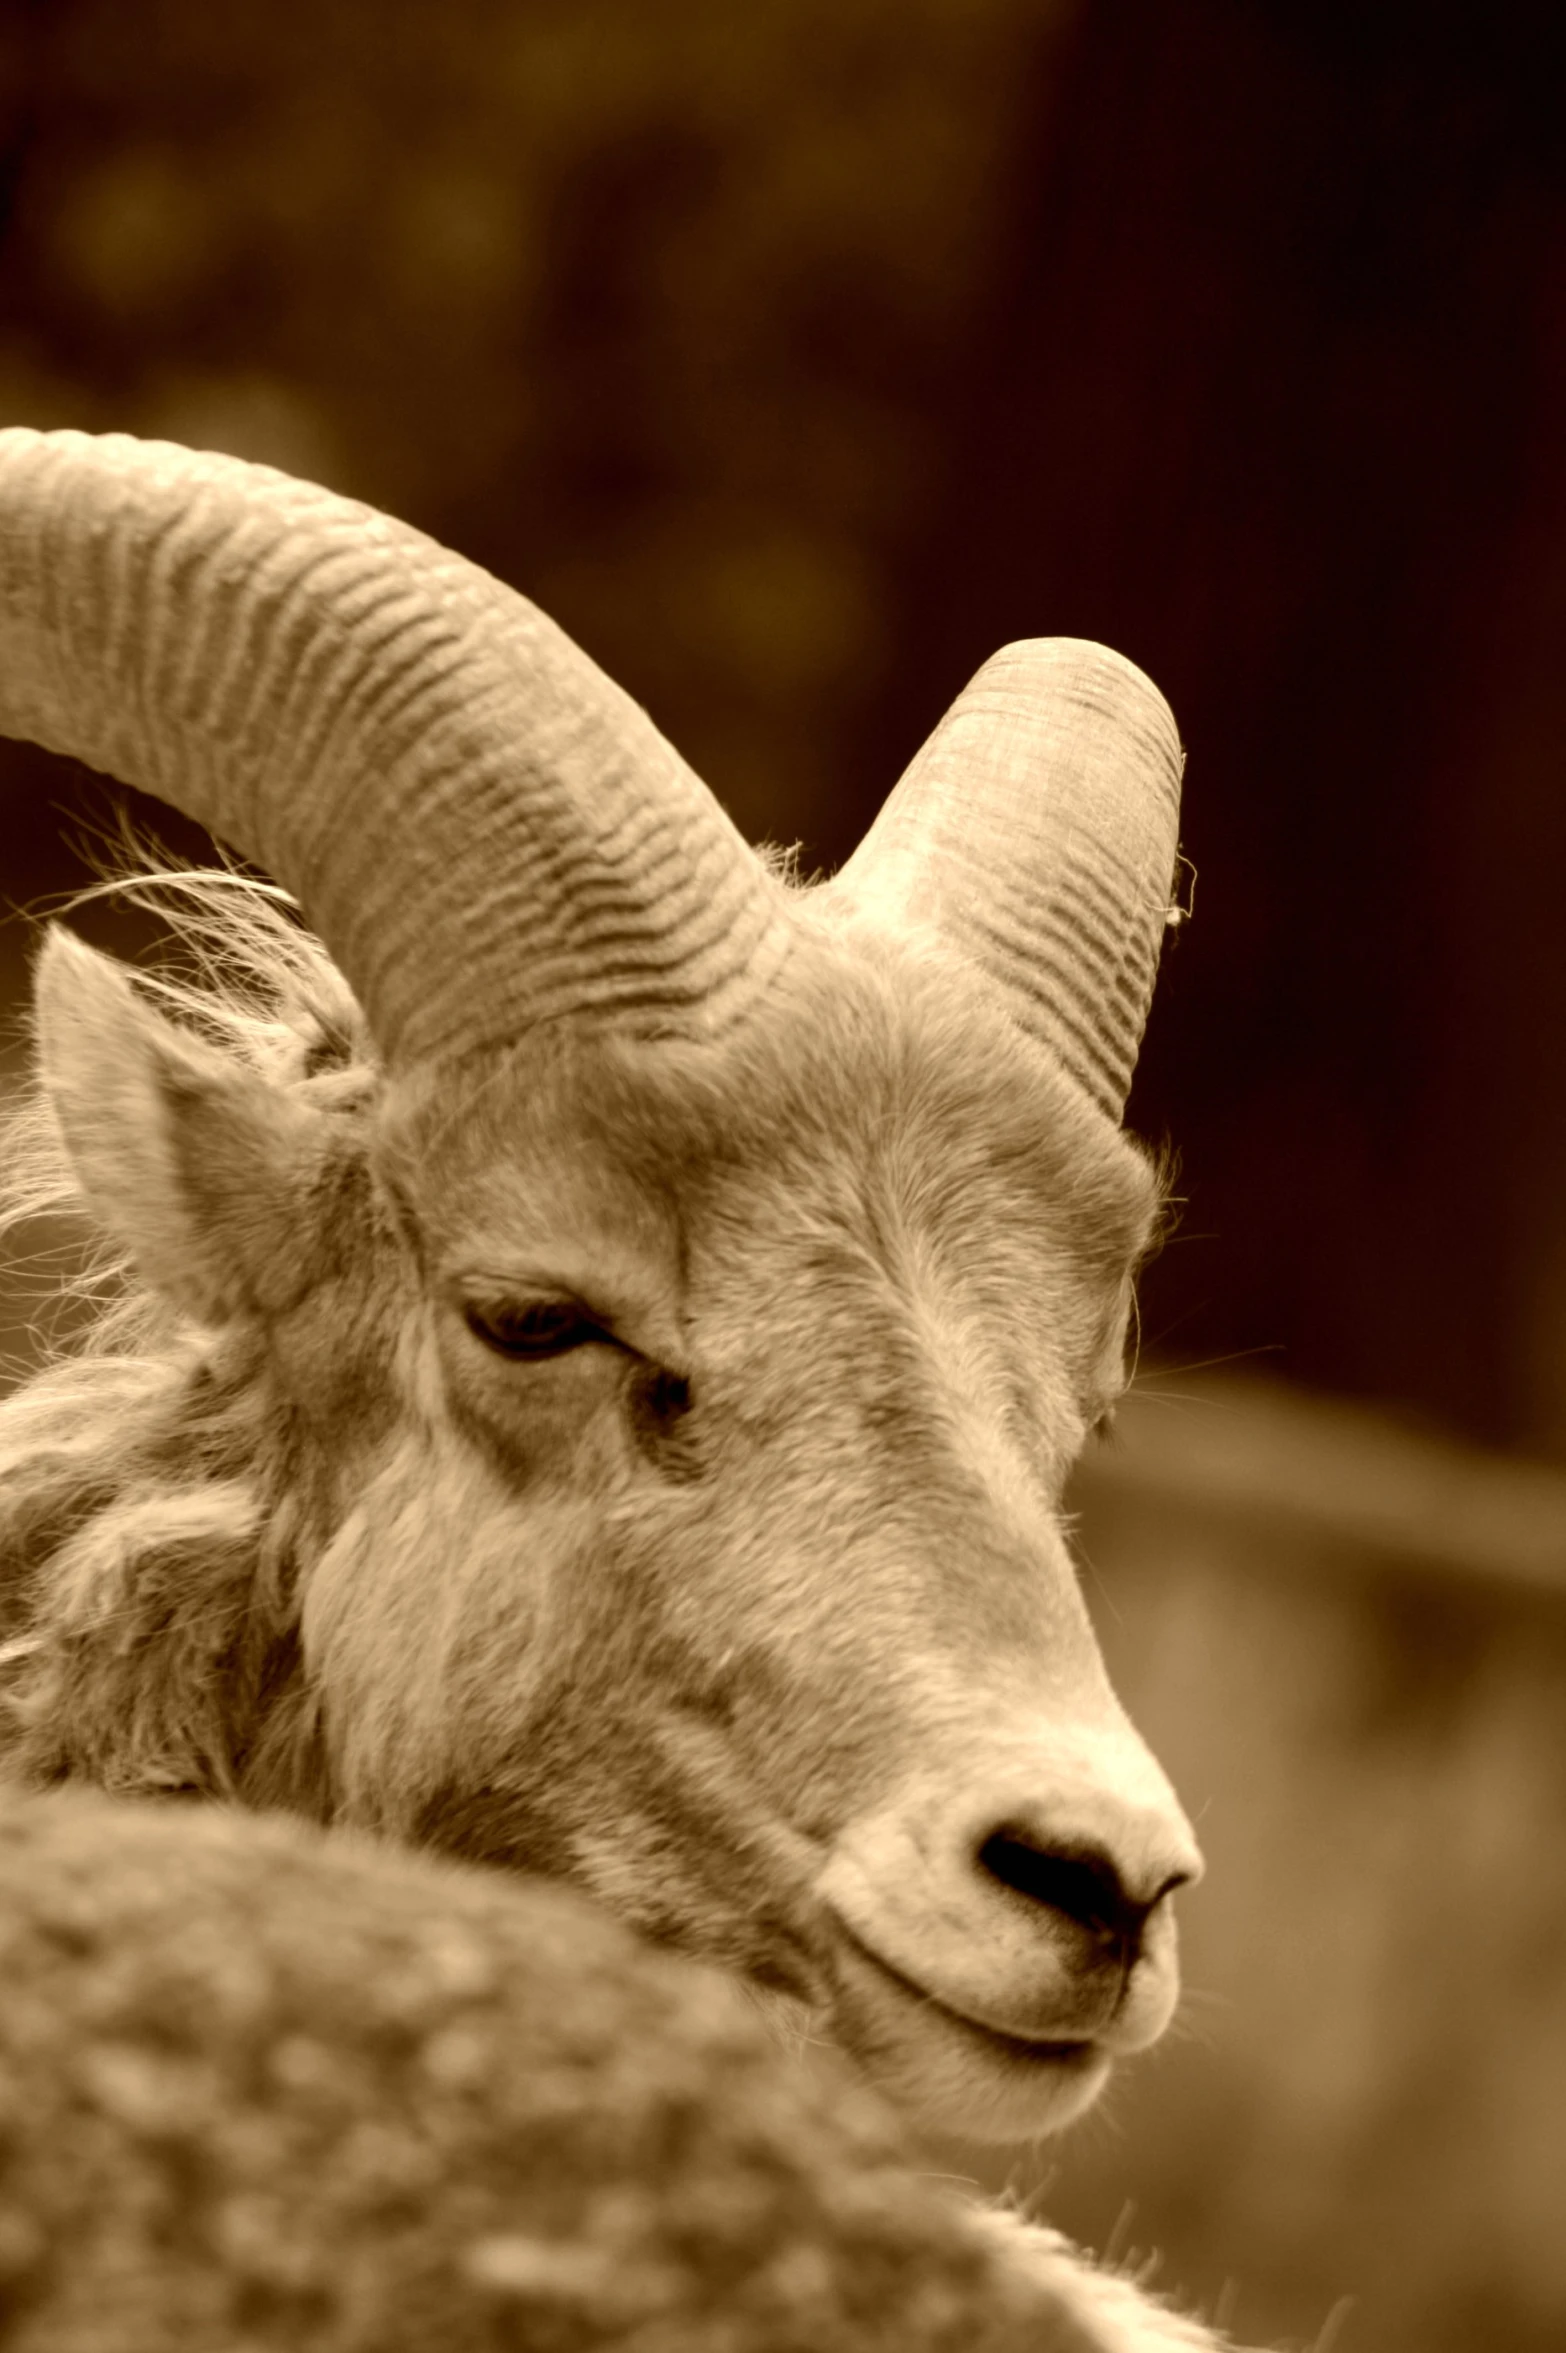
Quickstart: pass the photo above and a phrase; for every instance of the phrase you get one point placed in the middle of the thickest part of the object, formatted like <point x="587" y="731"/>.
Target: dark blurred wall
<point x="1272" y="395"/>
<point x="794" y="356"/>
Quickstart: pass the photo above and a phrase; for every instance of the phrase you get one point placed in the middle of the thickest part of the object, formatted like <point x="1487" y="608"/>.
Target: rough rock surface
<point x="262" y="2086"/>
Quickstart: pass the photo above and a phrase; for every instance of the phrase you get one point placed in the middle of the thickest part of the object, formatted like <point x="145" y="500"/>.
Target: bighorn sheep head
<point x="662" y="1365"/>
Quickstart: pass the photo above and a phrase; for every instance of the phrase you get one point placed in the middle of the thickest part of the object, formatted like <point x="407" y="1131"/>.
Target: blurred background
<point x="794" y="356"/>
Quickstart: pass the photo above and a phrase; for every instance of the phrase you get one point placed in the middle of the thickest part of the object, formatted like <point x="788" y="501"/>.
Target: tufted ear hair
<point x="192" y="1163"/>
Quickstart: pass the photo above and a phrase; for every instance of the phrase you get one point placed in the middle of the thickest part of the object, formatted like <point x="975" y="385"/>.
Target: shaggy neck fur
<point x="158" y="1493"/>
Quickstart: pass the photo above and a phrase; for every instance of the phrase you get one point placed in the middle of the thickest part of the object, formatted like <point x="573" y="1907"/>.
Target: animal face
<point x="683" y="1432"/>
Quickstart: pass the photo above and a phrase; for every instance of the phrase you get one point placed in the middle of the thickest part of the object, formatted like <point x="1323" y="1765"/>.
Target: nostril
<point x="1080" y="1882"/>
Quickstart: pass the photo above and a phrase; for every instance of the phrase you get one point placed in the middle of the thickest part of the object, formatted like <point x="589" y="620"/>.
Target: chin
<point x="951" y="2075"/>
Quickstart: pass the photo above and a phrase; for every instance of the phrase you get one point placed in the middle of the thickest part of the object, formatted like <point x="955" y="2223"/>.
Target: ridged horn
<point x="484" y="830"/>
<point x="1037" y="832"/>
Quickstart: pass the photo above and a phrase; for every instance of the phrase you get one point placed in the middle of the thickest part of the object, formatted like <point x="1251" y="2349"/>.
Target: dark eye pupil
<point x="541" y="1327"/>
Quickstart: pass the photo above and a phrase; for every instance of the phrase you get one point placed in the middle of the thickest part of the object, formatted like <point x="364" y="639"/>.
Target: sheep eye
<point x="533" y="1329"/>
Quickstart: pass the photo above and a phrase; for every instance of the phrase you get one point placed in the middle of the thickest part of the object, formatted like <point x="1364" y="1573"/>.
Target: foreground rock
<point x="262" y="2086"/>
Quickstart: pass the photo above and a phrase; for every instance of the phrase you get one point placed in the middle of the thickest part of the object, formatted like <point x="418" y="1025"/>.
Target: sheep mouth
<point x="1027" y="2050"/>
<point x="952" y="2073"/>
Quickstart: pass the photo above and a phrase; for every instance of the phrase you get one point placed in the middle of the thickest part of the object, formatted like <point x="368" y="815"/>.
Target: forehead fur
<point x="871" y="1053"/>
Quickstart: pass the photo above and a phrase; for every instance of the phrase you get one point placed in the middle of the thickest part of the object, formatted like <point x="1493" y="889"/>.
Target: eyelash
<point x="536" y="1331"/>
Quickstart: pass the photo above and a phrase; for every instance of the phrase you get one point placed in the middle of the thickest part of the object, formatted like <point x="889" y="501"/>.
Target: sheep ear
<point x="189" y="1161"/>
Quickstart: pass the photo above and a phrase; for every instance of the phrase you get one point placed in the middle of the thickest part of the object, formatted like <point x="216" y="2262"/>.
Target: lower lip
<point x="1074" y="2053"/>
<point x="997" y="2086"/>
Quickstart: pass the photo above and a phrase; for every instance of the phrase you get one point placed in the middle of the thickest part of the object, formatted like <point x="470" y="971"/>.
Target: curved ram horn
<point x="1036" y="831"/>
<point x="483" y="829"/>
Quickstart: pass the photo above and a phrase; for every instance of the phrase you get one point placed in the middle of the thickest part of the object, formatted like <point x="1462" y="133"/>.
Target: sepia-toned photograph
<point x="782" y="1176"/>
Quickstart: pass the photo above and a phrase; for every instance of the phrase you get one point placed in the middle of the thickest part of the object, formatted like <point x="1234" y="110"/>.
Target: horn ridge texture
<point x="486" y="832"/>
<point x="1036" y="832"/>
